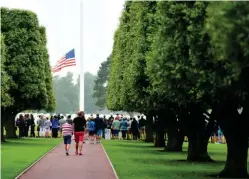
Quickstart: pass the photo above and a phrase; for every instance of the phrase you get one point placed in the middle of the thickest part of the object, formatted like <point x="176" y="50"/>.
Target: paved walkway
<point x="93" y="164"/>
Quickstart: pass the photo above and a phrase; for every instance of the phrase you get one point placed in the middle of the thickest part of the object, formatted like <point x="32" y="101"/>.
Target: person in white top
<point x="47" y="125"/>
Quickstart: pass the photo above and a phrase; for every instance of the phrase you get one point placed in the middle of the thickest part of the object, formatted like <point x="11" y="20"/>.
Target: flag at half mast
<point x="66" y="61"/>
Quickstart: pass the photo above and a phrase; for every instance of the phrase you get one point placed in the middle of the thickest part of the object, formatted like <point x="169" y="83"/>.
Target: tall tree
<point x="100" y="84"/>
<point x="66" y="94"/>
<point x="227" y="25"/>
<point x="5" y="97"/>
<point x="25" y="64"/>
<point x="90" y="102"/>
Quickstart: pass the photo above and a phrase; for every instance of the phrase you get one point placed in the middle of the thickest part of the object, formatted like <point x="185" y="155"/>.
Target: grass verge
<point x="139" y="160"/>
<point x="17" y="155"/>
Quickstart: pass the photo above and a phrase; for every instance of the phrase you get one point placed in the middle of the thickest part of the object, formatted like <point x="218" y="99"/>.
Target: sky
<point x="62" y="21"/>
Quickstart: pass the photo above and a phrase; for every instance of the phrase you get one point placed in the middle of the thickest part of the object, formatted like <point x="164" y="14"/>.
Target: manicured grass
<point x="17" y="155"/>
<point x="139" y="160"/>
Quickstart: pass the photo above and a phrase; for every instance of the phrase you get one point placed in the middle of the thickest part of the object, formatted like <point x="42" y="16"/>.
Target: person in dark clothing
<point x="55" y="127"/>
<point x="32" y="126"/>
<point x="26" y="125"/>
<point x="105" y="126"/>
<point x="79" y="124"/>
<point x="135" y="129"/>
<point x="99" y="125"/>
<point x="20" y="124"/>
<point x="142" y="123"/>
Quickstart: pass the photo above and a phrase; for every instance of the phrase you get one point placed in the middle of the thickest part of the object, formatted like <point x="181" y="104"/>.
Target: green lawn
<point x="138" y="160"/>
<point x="17" y="155"/>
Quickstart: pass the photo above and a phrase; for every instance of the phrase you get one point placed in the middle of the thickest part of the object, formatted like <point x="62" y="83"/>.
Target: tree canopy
<point x="100" y="84"/>
<point x="184" y="58"/>
<point x="26" y="60"/>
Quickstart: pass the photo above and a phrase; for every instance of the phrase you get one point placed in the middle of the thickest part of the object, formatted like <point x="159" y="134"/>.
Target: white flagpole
<point x="82" y="91"/>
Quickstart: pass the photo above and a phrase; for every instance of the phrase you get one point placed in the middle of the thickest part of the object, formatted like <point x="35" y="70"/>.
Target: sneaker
<point x="67" y="153"/>
<point x="80" y="153"/>
<point x="76" y="153"/>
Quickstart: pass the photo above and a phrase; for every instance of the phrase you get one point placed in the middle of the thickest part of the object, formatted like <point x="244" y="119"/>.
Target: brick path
<point x="93" y="164"/>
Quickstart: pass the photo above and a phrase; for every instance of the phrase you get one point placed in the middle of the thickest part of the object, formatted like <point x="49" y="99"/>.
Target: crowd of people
<point x="95" y="127"/>
<point x="120" y="127"/>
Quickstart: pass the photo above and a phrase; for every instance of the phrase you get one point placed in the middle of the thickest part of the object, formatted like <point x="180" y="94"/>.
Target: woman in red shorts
<point x="79" y="124"/>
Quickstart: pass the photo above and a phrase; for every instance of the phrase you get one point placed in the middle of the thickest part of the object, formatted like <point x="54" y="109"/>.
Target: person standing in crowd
<point x="20" y="124"/>
<point x="116" y="127"/>
<point x="86" y="132"/>
<point x="67" y="131"/>
<point x="124" y="127"/>
<point x="99" y="124"/>
<point x="92" y="129"/>
<point x="32" y="126"/>
<point x="62" y="121"/>
<point x="26" y="125"/>
<point x="47" y="125"/>
<point x="110" y="121"/>
<point x="41" y="126"/>
<point x="142" y="123"/>
<point x="55" y="126"/>
<point x="135" y="129"/>
<point x="105" y="126"/>
<point x="79" y="124"/>
<point x="69" y="120"/>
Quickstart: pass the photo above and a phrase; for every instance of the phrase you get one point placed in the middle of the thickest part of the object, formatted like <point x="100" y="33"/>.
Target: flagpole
<point x="82" y="91"/>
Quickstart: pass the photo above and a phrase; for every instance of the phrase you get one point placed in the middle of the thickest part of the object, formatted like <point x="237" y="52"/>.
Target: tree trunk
<point x="236" y="163"/>
<point x="10" y="128"/>
<point x="197" y="147"/>
<point x="175" y="141"/>
<point x="149" y="129"/>
<point x="160" y="141"/>
<point x="2" y="134"/>
<point x="235" y="130"/>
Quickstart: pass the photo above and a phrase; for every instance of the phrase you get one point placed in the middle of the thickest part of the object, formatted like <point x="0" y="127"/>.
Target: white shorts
<point x="47" y="130"/>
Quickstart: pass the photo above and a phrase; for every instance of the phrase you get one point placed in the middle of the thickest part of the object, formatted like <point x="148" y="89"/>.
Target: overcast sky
<point x="62" y="21"/>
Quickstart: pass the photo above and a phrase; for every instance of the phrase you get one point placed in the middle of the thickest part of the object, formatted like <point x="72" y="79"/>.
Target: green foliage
<point x="67" y="94"/>
<point x="128" y="81"/>
<point x="26" y="60"/>
<point x="228" y="28"/>
<point x="179" y="53"/>
<point x="47" y="71"/>
<point x="100" y="84"/>
<point x="5" y="79"/>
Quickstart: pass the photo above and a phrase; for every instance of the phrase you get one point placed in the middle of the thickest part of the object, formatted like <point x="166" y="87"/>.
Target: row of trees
<point x="25" y="71"/>
<point x="173" y="61"/>
<point x="67" y="94"/>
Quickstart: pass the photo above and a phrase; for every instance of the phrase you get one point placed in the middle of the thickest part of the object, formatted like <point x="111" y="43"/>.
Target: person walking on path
<point x="67" y="130"/>
<point x="79" y="124"/>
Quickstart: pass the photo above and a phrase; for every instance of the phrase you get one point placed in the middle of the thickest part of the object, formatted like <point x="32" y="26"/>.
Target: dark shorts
<point x="67" y="139"/>
<point x="115" y="132"/>
<point x="91" y="133"/>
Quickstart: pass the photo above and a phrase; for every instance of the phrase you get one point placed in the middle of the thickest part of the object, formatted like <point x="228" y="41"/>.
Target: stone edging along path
<point x="29" y="167"/>
<point x="114" y="171"/>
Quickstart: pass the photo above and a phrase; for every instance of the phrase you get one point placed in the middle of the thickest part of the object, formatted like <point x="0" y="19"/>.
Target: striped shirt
<point x="67" y="129"/>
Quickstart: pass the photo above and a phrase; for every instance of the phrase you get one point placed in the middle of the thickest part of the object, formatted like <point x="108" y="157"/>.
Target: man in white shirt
<point x="47" y="125"/>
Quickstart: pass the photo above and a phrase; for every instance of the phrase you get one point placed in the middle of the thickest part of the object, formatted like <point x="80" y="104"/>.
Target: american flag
<point x="66" y="61"/>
